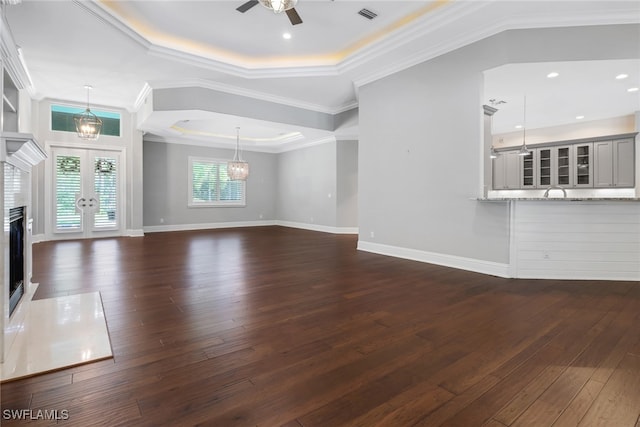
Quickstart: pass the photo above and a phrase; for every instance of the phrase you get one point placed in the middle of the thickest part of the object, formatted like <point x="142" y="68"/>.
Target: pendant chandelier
<point x="524" y="151"/>
<point x="88" y="125"/>
<point x="279" y="6"/>
<point x="238" y="169"/>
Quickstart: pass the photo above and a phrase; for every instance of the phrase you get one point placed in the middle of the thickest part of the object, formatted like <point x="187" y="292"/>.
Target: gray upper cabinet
<point x="554" y="166"/>
<point x="624" y="163"/>
<point x="601" y="162"/>
<point x="545" y="167"/>
<point x="614" y="163"/>
<point x="528" y="168"/>
<point x="583" y="161"/>
<point x="506" y="171"/>
<point x="563" y="166"/>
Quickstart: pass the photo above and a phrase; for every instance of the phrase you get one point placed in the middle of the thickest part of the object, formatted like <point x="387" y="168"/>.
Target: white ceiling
<point x="585" y="89"/>
<point x="123" y="47"/>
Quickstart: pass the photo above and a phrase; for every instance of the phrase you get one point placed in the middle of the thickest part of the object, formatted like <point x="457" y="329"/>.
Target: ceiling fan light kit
<point x="277" y="6"/>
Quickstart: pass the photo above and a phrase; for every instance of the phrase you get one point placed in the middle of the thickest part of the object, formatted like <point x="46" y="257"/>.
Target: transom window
<point x="209" y="184"/>
<point x="62" y="119"/>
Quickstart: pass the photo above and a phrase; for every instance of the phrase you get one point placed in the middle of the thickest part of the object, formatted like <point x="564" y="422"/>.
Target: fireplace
<point x="16" y="256"/>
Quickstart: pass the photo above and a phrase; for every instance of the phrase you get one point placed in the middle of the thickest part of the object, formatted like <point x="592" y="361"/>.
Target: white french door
<point x="86" y="197"/>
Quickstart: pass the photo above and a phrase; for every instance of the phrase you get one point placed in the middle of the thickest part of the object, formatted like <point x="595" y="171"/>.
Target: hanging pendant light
<point x="524" y="151"/>
<point x="88" y="125"/>
<point x="238" y="169"/>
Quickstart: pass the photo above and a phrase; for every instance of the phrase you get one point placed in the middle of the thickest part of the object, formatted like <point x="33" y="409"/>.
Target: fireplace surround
<point x="16" y="256"/>
<point x="18" y="154"/>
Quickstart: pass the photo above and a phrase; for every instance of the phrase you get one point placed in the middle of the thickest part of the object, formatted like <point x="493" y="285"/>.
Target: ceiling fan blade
<point x="248" y="5"/>
<point x="294" y="17"/>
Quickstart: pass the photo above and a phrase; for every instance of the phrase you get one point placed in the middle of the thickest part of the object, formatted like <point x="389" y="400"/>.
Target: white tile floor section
<point x="59" y="332"/>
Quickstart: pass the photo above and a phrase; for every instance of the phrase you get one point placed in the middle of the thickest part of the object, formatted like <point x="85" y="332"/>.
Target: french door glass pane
<point x="68" y="187"/>
<point x="105" y="187"/>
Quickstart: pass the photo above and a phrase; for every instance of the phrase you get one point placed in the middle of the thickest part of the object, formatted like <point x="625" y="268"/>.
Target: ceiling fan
<point x="277" y="6"/>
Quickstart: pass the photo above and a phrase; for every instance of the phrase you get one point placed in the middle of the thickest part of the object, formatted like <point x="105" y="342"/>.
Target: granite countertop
<point x="560" y="199"/>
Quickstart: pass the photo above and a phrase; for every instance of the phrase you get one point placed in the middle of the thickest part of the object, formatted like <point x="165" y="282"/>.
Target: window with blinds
<point x="68" y="187"/>
<point x="209" y="184"/>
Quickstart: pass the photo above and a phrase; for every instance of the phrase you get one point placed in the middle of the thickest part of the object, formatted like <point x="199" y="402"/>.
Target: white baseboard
<point x="318" y="227"/>
<point x="37" y="238"/>
<point x="205" y="226"/>
<point x="469" y="264"/>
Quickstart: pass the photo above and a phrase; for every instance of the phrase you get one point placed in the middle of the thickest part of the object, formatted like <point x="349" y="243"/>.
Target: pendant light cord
<point x="88" y="87"/>
<point x="237" y="156"/>
<point x="524" y="122"/>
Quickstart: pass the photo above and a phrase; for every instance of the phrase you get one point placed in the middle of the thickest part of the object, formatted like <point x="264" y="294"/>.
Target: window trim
<point x="208" y="204"/>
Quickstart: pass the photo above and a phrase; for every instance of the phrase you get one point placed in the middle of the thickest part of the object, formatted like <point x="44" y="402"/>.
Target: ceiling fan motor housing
<point x="279" y="6"/>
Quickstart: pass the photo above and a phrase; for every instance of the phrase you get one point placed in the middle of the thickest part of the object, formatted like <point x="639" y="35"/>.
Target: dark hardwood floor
<point x="274" y="326"/>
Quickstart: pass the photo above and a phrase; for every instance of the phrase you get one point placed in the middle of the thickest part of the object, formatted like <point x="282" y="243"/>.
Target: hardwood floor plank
<point x="277" y="326"/>
<point x="579" y="406"/>
<point x="522" y="385"/>
<point x="618" y="403"/>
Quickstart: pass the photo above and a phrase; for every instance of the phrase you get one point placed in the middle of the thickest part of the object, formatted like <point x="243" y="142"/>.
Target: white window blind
<point x="209" y="184"/>
<point x="68" y="187"/>
<point x="106" y="186"/>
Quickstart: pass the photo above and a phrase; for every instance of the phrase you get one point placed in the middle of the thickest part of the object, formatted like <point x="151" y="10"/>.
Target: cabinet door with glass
<point x="528" y="168"/>
<point x="562" y="166"/>
<point x="544" y="167"/>
<point x="583" y="160"/>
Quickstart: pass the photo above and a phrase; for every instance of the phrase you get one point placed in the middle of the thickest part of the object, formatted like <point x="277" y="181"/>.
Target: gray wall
<point x="196" y="98"/>
<point x="166" y="186"/>
<point x="307" y="185"/>
<point x="421" y="135"/>
<point x="316" y="186"/>
<point x="347" y="184"/>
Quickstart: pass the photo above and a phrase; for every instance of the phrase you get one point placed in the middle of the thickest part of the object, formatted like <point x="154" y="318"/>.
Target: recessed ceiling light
<point x="518" y="126"/>
<point x="579" y="117"/>
<point x="632" y="89"/>
<point x="286" y="36"/>
<point x="553" y="75"/>
<point x="622" y="76"/>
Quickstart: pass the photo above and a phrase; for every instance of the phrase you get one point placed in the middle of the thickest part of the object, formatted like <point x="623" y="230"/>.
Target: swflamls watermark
<point x="35" y="414"/>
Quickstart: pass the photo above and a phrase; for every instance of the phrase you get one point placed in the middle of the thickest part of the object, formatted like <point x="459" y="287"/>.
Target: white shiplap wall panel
<point x="577" y="240"/>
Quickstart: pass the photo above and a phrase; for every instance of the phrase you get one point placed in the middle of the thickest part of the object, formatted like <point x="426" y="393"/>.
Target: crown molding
<point x="101" y="13"/>
<point x="438" y="19"/>
<point x="12" y="58"/>
<point x="297" y="146"/>
<point x="243" y="70"/>
<point x="250" y="93"/>
<point x="358" y="64"/>
<point x="499" y="25"/>
<point x="272" y="149"/>
<point x="239" y="70"/>
<point x="142" y="96"/>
